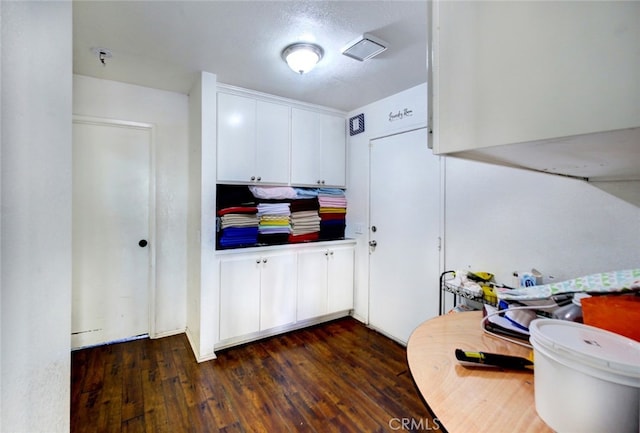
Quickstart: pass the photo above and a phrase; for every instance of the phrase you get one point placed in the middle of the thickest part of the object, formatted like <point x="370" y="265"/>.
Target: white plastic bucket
<point x="586" y="379"/>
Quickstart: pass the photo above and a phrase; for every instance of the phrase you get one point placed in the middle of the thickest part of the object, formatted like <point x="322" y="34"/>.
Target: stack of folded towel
<point x="237" y="220"/>
<point x="274" y="223"/>
<point x="238" y="226"/>
<point x="274" y="213"/>
<point x="333" y="212"/>
<point x="305" y="221"/>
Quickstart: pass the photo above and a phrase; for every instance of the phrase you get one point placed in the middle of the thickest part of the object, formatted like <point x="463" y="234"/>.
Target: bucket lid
<point x="589" y="345"/>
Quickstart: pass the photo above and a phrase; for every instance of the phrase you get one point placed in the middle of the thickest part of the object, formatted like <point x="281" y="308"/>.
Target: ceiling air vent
<point x="364" y="47"/>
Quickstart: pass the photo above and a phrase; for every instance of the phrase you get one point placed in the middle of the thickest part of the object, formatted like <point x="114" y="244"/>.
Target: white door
<point x="112" y="255"/>
<point x="404" y="218"/>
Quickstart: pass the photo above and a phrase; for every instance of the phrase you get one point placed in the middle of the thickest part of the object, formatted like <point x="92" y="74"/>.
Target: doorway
<point x="403" y="233"/>
<point x="113" y="231"/>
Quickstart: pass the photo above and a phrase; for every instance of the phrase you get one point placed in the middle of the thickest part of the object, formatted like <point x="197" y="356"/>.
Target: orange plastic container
<point x="615" y="313"/>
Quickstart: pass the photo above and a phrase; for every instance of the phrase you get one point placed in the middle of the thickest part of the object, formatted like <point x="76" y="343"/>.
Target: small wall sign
<point x="400" y="114"/>
<point x="356" y="124"/>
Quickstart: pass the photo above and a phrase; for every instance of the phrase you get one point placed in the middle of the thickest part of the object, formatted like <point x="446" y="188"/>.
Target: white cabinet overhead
<point x="549" y="86"/>
<point x="318" y="149"/>
<point x="268" y="140"/>
<point x="253" y="140"/>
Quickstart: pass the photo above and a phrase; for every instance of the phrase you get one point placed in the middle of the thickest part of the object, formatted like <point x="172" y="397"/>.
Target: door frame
<point x="151" y="128"/>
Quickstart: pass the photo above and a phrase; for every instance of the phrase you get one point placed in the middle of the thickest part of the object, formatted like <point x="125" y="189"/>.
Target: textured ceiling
<point x="163" y="44"/>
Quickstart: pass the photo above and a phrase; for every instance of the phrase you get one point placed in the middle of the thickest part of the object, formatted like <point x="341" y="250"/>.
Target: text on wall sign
<point x="400" y="114"/>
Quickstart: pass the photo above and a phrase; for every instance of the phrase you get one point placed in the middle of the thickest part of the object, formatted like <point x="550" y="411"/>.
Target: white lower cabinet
<point x="257" y="292"/>
<point x="278" y="291"/>
<point x="262" y="293"/>
<point x="325" y="281"/>
<point x="312" y="284"/>
<point x="340" y="274"/>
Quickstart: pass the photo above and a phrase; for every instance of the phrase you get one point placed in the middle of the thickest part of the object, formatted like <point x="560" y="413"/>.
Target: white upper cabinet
<point x="318" y="149"/>
<point x="253" y="140"/>
<point x="560" y="80"/>
<point x="272" y="139"/>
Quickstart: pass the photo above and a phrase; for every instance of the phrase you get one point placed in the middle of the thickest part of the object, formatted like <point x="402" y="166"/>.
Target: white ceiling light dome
<point x="302" y="57"/>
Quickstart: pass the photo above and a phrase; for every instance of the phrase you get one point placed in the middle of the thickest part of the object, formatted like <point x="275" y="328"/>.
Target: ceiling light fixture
<point x="302" y="57"/>
<point x="364" y="47"/>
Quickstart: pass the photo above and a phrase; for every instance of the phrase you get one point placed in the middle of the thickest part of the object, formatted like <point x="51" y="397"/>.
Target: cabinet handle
<point x="259" y="178"/>
<point x="330" y="253"/>
<point x="322" y="182"/>
<point x="253" y="178"/>
<point x="258" y="261"/>
<point x="264" y="260"/>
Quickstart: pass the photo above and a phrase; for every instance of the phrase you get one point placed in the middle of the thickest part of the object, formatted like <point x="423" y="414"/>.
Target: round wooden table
<point x="476" y="399"/>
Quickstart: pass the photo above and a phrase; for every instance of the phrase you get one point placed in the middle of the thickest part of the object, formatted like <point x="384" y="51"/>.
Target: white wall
<point x="194" y="220"/>
<point x="501" y="220"/>
<point x="168" y="111"/>
<point x="36" y="216"/>
<point x="378" y="123"/>
<point x="202" y="267"/>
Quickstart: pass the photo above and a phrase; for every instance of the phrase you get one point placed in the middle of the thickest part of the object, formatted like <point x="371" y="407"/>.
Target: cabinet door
<point x="318" y="149"/>
<point x="305" y="147"/>
<point x="498" y="79"/>
<point x="239" y="296"/>
<point x="272" y="143"/>
<point x="340" y="279"/>
<point x="312" y="284"/>
<point x="334" y="149"/>
<point x="278" y="290"/>
<point x="236" y="148"/>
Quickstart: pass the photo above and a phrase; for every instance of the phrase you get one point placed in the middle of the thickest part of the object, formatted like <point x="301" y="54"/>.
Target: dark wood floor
<point x="339" y="376"/>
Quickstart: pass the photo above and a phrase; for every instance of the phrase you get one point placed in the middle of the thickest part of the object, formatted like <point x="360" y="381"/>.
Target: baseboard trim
<point x="168" y="333"/>
<point x="196" y="349"/>
<point x="236" y="341"/>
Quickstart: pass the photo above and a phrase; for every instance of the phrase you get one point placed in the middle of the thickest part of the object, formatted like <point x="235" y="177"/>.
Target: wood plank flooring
<point x="335" y="377"/>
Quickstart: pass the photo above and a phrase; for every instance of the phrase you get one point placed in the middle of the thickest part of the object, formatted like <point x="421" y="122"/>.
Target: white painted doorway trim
<point x="151" y="289"/>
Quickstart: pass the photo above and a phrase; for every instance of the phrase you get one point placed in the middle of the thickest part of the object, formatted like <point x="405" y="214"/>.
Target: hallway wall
<point x="168" y="111"/>
<point x="35" y="300"/>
